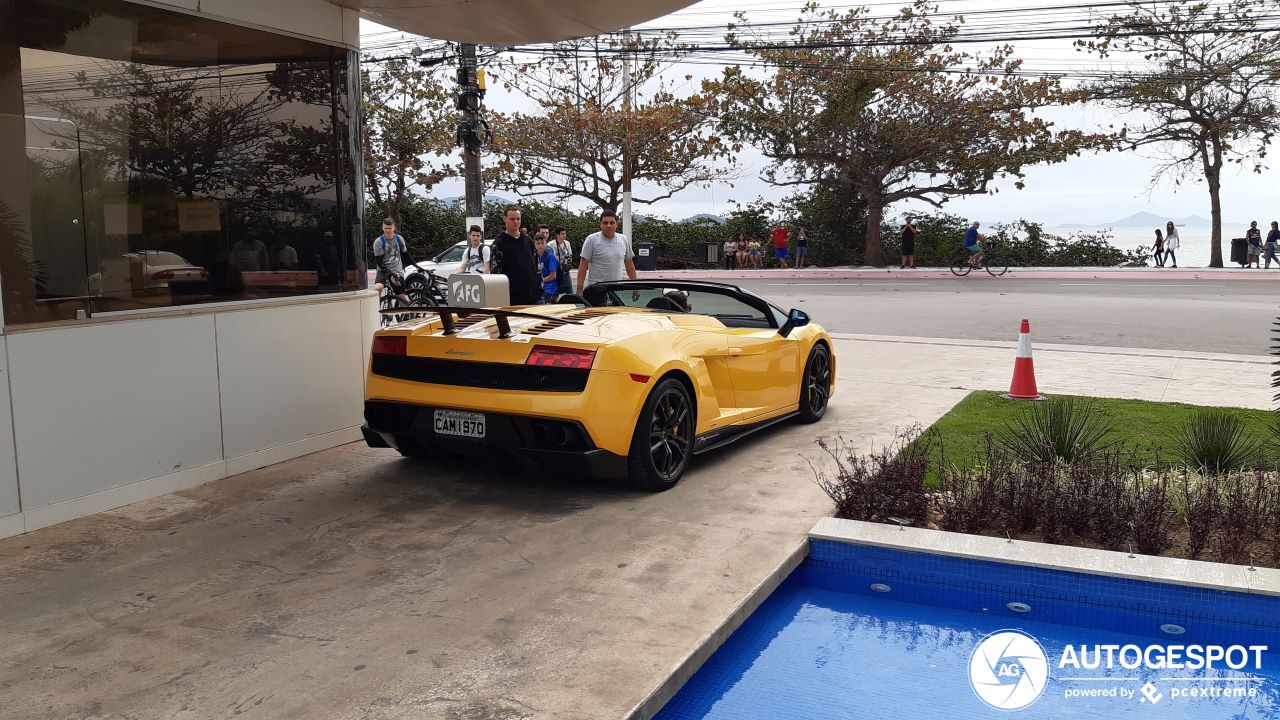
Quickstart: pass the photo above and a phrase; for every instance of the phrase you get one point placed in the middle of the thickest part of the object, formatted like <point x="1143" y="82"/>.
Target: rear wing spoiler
<point x="447" y="313"/>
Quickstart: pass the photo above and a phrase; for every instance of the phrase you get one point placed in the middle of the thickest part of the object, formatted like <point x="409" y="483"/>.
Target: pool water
<point x="824" y="645"/>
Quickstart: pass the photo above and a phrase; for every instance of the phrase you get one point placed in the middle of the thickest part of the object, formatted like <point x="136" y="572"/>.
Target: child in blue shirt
<point x="548" y="268"/>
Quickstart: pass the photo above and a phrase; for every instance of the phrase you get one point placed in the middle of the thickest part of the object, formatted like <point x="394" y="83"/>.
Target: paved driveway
<point x="355" y="584"/>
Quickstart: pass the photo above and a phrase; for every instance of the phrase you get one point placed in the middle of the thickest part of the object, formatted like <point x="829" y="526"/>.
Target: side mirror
<point x="796" y="318"/>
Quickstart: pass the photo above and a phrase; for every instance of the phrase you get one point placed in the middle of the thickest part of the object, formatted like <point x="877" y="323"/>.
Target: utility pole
<point x="626" y="135"/>
<point x="473" y="132"/>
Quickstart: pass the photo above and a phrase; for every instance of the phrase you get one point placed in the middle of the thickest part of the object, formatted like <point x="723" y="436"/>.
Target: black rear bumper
<point x="559" y="446"/>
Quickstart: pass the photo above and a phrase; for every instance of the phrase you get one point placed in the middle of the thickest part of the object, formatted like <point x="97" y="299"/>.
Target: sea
<point x="1192" y="252"/>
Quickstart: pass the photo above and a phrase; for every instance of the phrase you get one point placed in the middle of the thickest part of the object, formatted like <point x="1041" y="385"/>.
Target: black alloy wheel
<point x="816" y="390"/>
<point x="663" y="440"/>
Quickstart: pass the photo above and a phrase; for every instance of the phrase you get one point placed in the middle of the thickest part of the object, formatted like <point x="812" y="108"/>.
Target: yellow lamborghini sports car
<point x="632" y="382"/>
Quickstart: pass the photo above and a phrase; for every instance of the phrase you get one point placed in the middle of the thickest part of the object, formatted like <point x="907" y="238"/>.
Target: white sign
<point x="199" y="216"/>
<point x="475" y="221"/>
<point x="479" y="291"/>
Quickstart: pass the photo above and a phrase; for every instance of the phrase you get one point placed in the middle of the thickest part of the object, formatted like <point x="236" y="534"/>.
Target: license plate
<point x="462" y="424"/>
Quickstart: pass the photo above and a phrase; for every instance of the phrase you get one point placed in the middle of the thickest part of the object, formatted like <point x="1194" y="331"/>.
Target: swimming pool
<point x="937" y="638"/>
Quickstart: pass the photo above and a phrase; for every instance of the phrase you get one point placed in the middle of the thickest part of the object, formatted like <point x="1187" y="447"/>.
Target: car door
<point x="763" y="365"/>
<point x="765" y="370"/>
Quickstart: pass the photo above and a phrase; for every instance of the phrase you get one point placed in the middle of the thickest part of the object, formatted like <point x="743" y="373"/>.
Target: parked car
<point x="443" y="265"/>
<point x="633" y="384"/>
<point x="136" y="272"/>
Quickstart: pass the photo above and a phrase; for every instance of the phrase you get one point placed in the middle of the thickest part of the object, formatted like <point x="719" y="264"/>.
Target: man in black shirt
<point x="515" y="253"/>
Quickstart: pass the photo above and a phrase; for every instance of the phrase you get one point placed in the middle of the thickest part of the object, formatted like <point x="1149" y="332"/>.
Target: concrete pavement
<point x="355" y="584"/>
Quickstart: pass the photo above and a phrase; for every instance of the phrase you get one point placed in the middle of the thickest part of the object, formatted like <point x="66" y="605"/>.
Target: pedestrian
<point x="389" y="254"/>
<point x="250" y="254"/>
<point x="753" y="253"/>
<point x="802" y="247"/>
<point x="1158" y="253"/>
<point x="287" y="257"/>
<point x="781" y="239"/>
<point x="1254" y="236"/>
<point x="605" y="255"/>
<point x="1273" y="239"/>
<point x="730" y="253"/>
<point x="477" y="258"/>
<point x="742" y="250"/>
<point x="1171" y="243"/>
<point x="514" y="253"/>
<point x="548" y="269"/>
<point x="328" y="265"/>
<point x="908" y="246"/>
<point x="564" y="260"/>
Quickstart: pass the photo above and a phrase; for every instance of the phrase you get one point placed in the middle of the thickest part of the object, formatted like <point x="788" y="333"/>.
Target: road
<point x="1205" y="315"/>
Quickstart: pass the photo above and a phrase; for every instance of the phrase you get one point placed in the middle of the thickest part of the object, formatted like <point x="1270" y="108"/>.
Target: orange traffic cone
<point x="1023" y="386"/>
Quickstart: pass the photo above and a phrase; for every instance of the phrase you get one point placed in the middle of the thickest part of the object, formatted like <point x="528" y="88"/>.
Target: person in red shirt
<point x="780" y="239"/>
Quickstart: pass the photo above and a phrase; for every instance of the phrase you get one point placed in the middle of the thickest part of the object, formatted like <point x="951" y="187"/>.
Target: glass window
<point x="453" y="254"/>
<point x="170" y="159"/>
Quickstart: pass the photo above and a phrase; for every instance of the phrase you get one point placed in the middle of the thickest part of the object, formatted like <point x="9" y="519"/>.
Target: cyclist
<point x="974" y="244"/>
<point x="389" y="255"/>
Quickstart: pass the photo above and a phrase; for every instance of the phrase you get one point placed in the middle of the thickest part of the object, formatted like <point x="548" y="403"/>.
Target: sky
<point x="1092" y="189"/>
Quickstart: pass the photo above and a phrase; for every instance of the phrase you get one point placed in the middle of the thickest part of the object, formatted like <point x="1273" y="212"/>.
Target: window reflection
<point x="172" y="160"/>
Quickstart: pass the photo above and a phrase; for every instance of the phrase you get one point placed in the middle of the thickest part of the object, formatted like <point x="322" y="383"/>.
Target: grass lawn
<point x="1147" y="427"/>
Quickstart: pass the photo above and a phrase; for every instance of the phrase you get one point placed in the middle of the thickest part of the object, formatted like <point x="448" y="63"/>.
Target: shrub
<point x="888" y="483"/>
<point x="1200" y="508"/>
<point x="1152" y="513"/>
<point x="1242" y="516"/>
<point x="1217" y="442"/>
<point x="1063" y="429"/>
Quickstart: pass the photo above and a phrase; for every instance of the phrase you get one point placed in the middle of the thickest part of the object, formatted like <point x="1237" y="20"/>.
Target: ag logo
<point x="1008" y="670"/>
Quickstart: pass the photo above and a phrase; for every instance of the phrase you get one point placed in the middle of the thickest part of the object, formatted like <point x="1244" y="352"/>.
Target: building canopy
<point x="511" y="22"/>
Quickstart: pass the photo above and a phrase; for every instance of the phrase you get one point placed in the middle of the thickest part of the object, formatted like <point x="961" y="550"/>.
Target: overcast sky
<point x="1091" y="189"/>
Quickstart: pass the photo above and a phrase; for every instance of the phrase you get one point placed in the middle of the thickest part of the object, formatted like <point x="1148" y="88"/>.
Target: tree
<point x="889" y="110"/>
<point x="583" y="143"/>
<point x="1207" y="86"/>
<point x="409" y="132"/>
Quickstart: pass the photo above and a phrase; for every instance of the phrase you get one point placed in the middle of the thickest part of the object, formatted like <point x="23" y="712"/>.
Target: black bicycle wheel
<point x="995" y="266"/>
<point x="961" y="266"/>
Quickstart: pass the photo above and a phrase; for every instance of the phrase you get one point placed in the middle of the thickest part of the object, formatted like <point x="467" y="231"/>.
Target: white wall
<point x="105" y="414"/>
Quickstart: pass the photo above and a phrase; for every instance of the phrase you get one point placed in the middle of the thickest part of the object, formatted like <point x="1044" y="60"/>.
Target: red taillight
<point x="163" y="275"/>
<point x="551" y="356"/>
<point x="389" y="345"/>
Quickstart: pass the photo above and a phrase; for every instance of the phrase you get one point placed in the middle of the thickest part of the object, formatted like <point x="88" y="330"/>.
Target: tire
<point x="996" y="267"/>
<point x="662" y="443"/>
<point x="815" y="388"/>
<point x="415" y="283"/>
<point x="961" y="267"/>
<point x="411" y="448"/>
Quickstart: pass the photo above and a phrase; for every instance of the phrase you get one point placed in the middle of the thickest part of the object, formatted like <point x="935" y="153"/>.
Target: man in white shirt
<point x="605" y="254"/>
<point x="476" y="258"/>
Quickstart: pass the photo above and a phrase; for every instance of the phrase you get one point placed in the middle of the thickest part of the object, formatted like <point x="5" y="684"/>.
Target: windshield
<point x="453" y="254"/>
<point x="724" y="306"/>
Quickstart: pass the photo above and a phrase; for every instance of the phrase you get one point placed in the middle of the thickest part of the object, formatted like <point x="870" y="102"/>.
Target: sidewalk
<point x="1030" y="273"/>
<point x="906" y="365"/>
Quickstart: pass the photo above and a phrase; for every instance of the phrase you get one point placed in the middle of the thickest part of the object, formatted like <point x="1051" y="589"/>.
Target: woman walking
<point x="1158" y="253"/>
<point x="1273" y="239"/>
<point x="1171" y="243"/>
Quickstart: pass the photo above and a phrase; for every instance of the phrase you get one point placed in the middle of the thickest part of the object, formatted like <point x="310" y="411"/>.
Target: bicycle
<point x="389" y="299"/>
<point x="992" y="263"/>
<point x="427" y="288"/>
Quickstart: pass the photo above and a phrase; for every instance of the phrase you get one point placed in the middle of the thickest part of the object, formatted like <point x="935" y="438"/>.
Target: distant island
<point x="1144" y="220"/>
